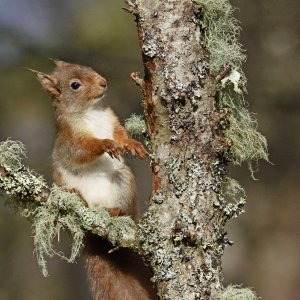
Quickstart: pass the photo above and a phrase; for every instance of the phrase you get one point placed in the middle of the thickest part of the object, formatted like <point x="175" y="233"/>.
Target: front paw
<point x="136" y="148"/>
<point x="116" y="212"/>
<point x="111" y="148"/>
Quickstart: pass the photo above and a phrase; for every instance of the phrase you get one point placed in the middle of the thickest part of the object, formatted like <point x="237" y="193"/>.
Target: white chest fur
<point x="97" y="187"/>
<point x="99" y="123"/>
<point x="96" y="181"/>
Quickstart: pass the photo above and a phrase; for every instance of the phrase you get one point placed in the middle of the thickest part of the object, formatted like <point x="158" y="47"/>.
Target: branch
<point x="138" y="81"/>
<point x="55" y="208"/>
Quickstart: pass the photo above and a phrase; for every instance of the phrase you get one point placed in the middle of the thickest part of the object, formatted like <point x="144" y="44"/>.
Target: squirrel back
<point x="87" y="160"/>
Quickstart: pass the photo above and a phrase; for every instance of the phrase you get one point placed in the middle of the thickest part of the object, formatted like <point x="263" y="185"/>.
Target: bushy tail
<point x="120" y="275"/>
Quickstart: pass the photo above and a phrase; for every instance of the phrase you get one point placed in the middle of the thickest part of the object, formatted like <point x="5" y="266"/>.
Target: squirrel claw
<point x="114" y="153"/>
<point x="135" y="148"/>
<point x="112" y="149"/>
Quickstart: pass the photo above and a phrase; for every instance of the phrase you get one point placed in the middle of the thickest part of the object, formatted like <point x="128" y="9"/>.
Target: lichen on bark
<point x="221" y="40"/>
<point x="185" y="45"/>
<point x="181" y="234"/>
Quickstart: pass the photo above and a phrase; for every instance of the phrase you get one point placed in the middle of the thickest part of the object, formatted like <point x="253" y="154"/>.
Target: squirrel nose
<point x="103" y="83"/>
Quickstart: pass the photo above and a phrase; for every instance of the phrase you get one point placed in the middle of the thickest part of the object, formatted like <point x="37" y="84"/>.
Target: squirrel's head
<point x="73" y="87"/>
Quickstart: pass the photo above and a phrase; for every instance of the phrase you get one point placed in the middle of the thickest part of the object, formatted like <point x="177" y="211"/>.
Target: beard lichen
<point x="58" y="210"/>
<point x="249" y="145"/>
<point x="235" y="292"/>
<point x="49" y="219"/>
<point x="11" y="153"/>
<point x="221" y="40"/>
<point x="221" y="34"/>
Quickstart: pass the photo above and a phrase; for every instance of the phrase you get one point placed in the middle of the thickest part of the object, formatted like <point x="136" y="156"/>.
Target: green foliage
<point x="234" y="292"/>
<point x="136" y="125"/>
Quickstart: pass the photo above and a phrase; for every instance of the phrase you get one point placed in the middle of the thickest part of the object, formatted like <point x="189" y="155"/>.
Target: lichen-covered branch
<point x="54" y="209"/>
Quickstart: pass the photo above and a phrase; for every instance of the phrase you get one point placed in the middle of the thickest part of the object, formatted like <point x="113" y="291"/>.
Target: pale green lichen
<point x="63" y="210"/>
<point x="221" y="40"/>
<point x="249" y="145"/>
<point x="24" y="182"/>
<point x="136" y="125"/>
<point x="234" y="292"/>
<point x="49" y="219"/>
<point x="222" y="34"/>
<point x="232" y="190"/>
<point x="11" y="154"/>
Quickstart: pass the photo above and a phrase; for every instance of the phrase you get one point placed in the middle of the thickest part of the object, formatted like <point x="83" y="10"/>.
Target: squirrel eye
<point x="75" y="85"/>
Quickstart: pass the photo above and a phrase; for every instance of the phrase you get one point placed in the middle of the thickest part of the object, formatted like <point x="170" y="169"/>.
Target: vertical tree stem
<point x="182" y="235"/>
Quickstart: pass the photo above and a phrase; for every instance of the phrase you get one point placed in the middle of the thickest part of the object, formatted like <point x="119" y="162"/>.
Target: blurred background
<point x="100" y="34"/>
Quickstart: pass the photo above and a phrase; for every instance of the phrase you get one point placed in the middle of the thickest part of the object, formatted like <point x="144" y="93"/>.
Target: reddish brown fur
<point x="156" y="180"/>
<point x="120" y="275"/>
<point x="122" y="139"/>
<point x="57" y="177"/>
<point x="93" y="147"/>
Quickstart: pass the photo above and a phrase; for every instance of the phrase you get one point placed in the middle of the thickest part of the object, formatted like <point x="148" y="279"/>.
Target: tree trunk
<point x="182" y="234"/>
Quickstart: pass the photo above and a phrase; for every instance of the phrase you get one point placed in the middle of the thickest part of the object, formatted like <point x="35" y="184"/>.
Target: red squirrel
<point x="87" y="159"/>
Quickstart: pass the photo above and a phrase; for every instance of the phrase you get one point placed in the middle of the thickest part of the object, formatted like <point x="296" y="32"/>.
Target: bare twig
<point x="131" y="8"/>
<point x="138" y="81"/>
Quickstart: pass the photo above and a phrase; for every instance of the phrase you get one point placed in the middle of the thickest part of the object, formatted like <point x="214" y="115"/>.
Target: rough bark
<point x="182" y="235"/>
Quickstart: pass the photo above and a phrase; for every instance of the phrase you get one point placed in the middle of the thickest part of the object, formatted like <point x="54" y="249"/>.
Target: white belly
<point x="97" y="189"/>
<point x="105" y="182"/>
<point x="96" y="183"/>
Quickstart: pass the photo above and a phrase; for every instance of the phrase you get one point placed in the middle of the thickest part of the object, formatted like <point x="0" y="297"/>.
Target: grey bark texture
<point x="182" y="235"/>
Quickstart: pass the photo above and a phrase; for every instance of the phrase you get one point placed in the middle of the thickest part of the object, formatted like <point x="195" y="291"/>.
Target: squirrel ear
<point x="59" y="63"/>
<point x="49" y="83"/>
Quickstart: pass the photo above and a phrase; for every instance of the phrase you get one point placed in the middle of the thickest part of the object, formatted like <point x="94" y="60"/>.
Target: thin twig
<point x="223" y="72"/>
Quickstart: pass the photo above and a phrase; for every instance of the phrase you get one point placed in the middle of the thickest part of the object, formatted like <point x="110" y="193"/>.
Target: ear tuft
<point x="59" y="63"/>
<point x="33" y="71"/>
